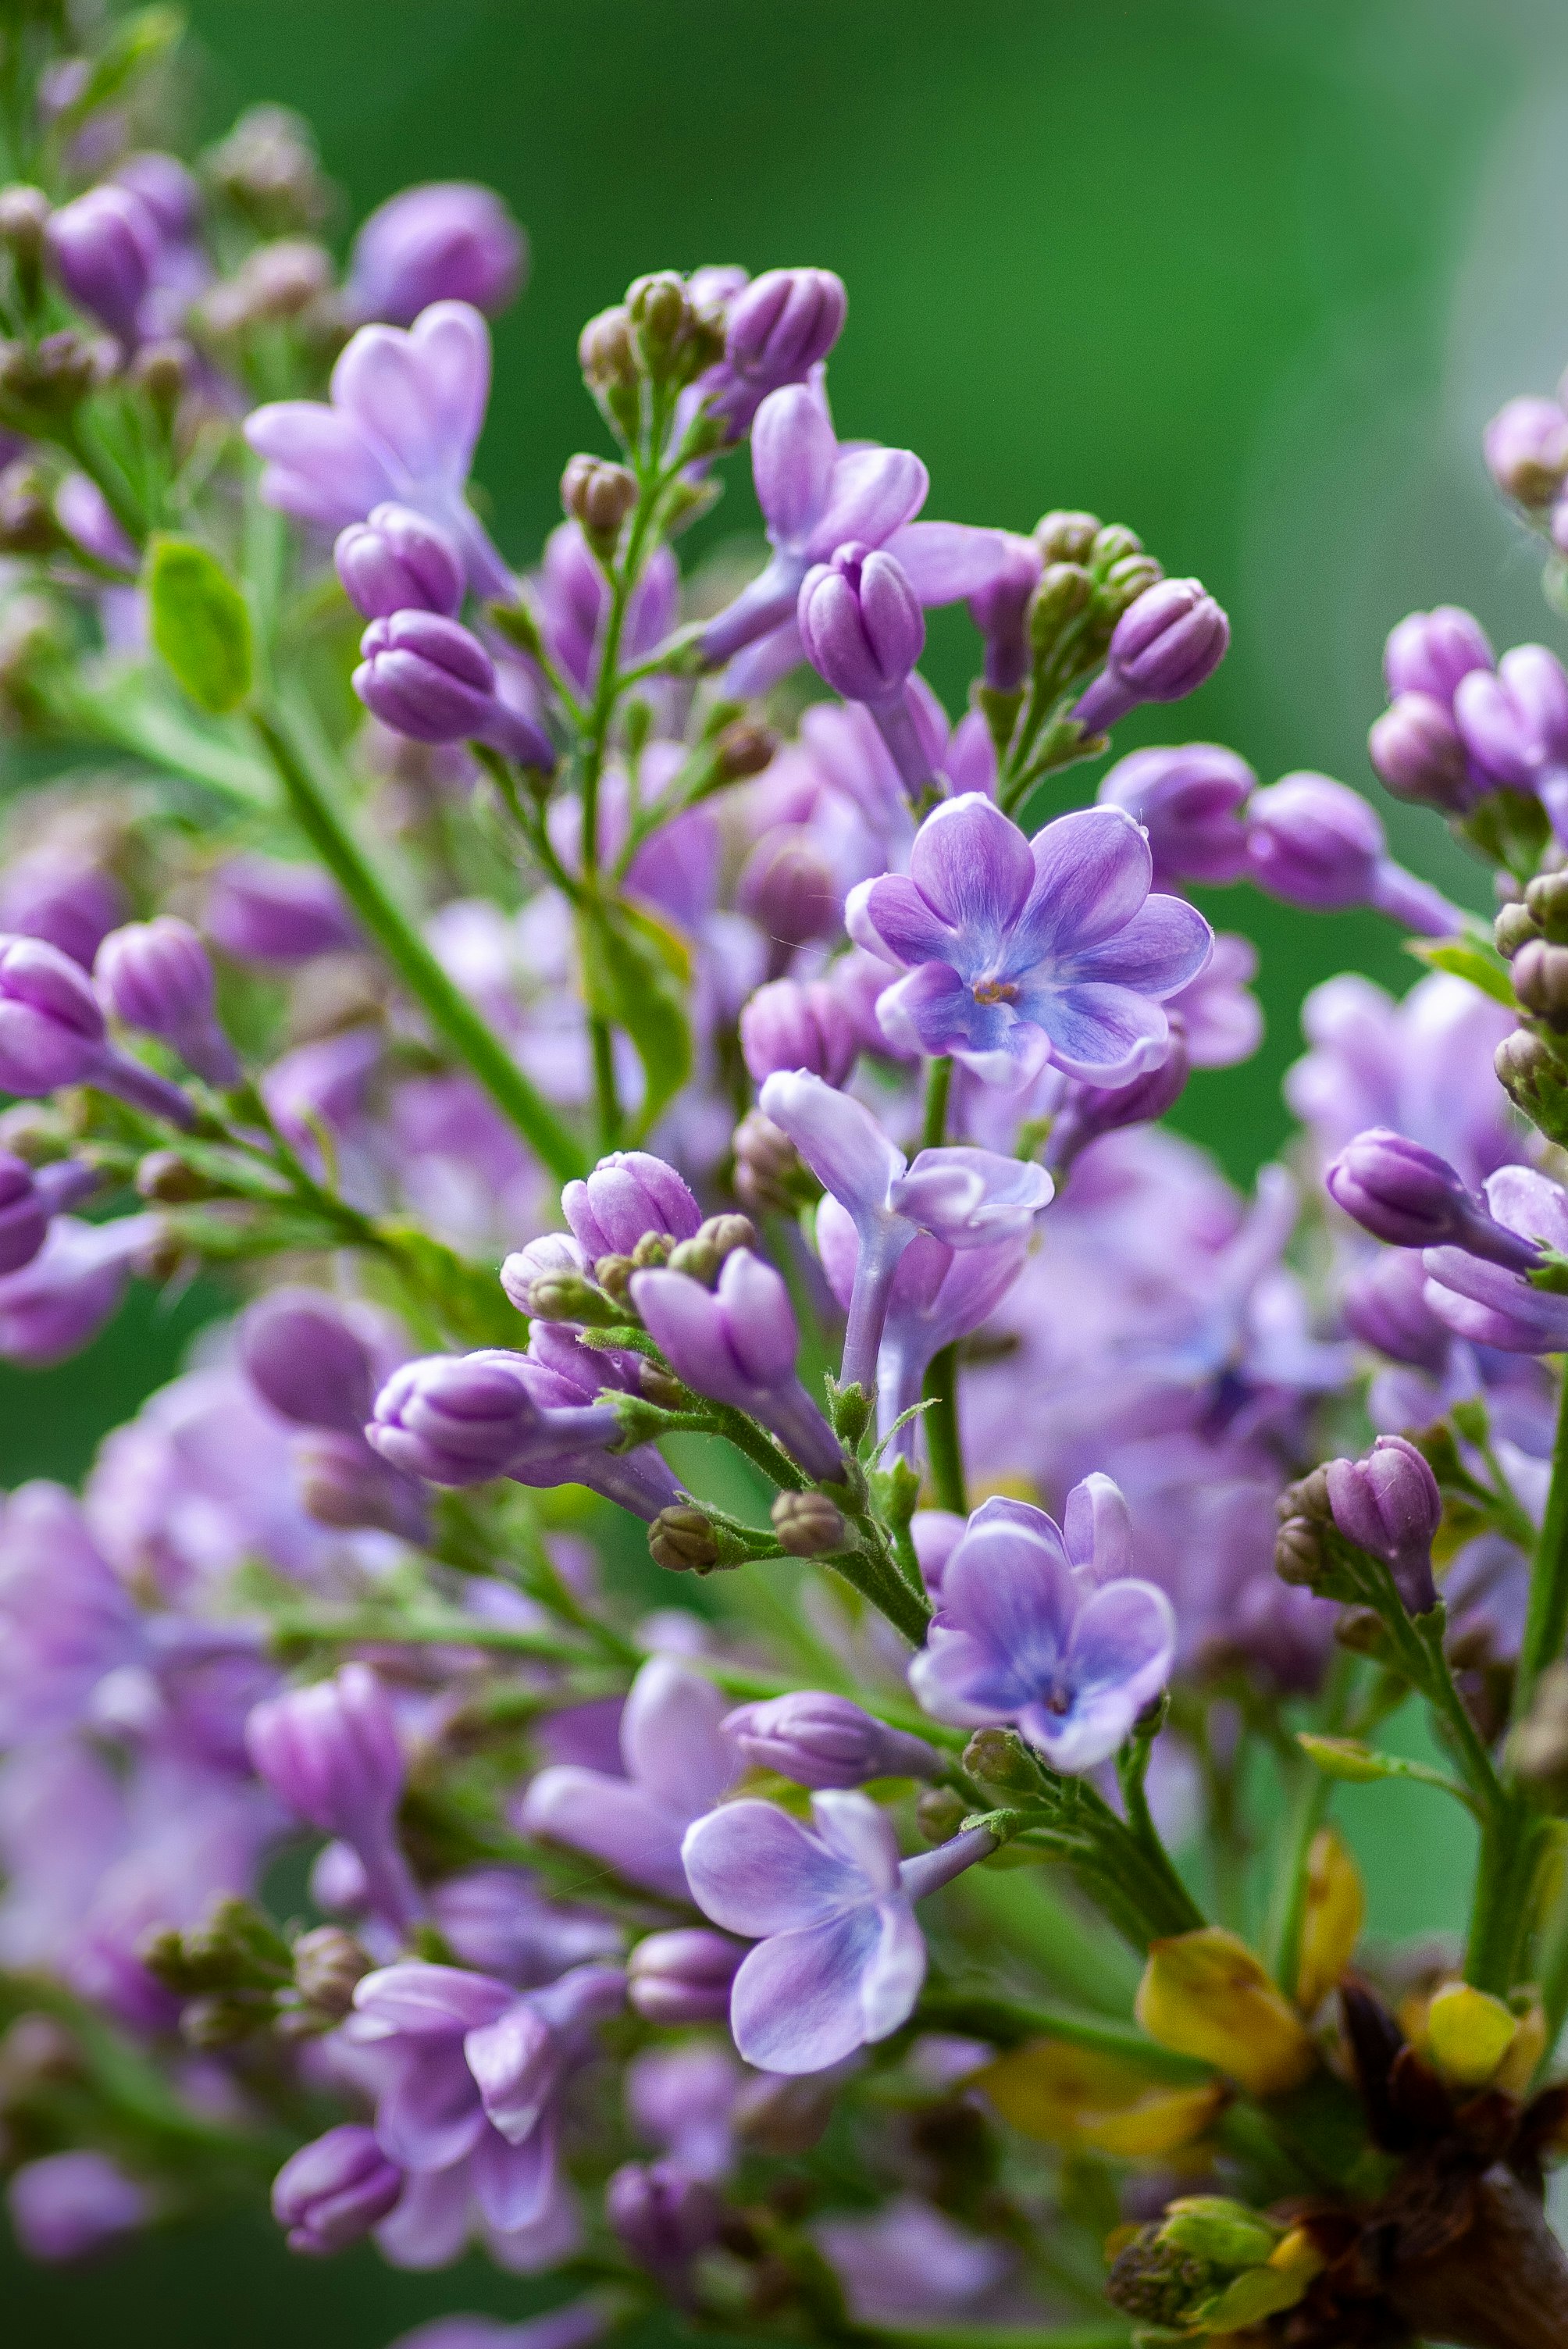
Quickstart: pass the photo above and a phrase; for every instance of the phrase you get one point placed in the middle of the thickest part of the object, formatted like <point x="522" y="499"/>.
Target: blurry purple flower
<point x="67" y="2206"/>
<point x="442" y="241"/>
<point x="1484" y="1301"/>
<point x="1389" y="1503"/>
<point x="1190" y="802"/>
<point x="1514" y="727"/>
<point x="84" y="514"/>
<point x="574" y="603"/>
<point x="788" y="1025"/>
<point x="397" y="561"/>
<point x="260" y="909"/>
<point x="334" y="2191"/>
<point x="496" y="1920"/>
<point x="1315" y="843"/>
<point x="682" y="2098"/>
<point x="908" y="2265"/>
<point x="786" y="886"/>
<point x="1025" y="1636"/>
<point x="1164" y="646"/>
<point x="838" y="1959"/>
<point x="1526" y="450"/>
<point x="1430" y="652"/>
<point x="1417" y="754"/>
<point x="738" y="1344"/>
<point x="157" y="976"/>
<point x="68" y="904"/>
<point x="303" y="1354"/>
<point x="103" y="246"/>
<point x="683" y="1976"/>
<point x="330" y="1753"/>
<point x="821" y="1739"/>
<point x="573" y="2326"/>
<point x="52" y="1033"/>
<point x="662" y="2214"/>
<point x="29" y="1197"/>
<point x="1385" y="1306"/>
<point x="57" y="1303"/>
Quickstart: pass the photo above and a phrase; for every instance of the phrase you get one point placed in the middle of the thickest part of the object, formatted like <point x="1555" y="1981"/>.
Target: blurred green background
<point x="1246" y="276"/>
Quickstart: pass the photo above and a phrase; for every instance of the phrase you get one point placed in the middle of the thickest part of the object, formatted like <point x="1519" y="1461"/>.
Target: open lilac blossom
<point x="403" y="415"/>
<point x="1484" y="1301"/>
<point x="739" y="1344"/>
<point x="678" y="1765"/>
<point x="70" y="903"/>
<point x="1021" y="951"/>
<point x="821" y="1739"/>
<point x="840" y="1959"/>
<point x="331" y="1752"/>
<point x="1024" y="1635"/>
<point x="964" y="1198"/>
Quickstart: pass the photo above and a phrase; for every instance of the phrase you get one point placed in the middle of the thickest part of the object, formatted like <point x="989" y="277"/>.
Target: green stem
<point x="449" y="1011"/>
<point x="289" y="1628"/>
<point x="1502" y="1907"/>
<point x="1006" y="2022"/>
<point x="1546" y="1623"/>
<point x="879" y="1580"/>
<point x="606" y="1101"/>
<point x="938" y="1084"/>
<point x="1311" y="1797"/>
<point x="945" y="1448"/>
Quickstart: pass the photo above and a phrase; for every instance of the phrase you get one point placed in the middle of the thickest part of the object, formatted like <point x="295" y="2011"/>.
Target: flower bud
<point x="1401" y="1191"/>
<point x="162" y="370"/>
<point x="1430" y="652"/>
<point x="705" y="1255"/>
<point x="939" y="1813"/>
<point x="24" y="219"/>
<point x="1065" y="537"/>
<point x="103" y="247"/>
<point x="1538" y="1749"/>
<point x="683" y="1977"/>
<point x="305" y="1358"/>
<point x="327" y="1965"/>
<point x="663" y="2215"/>
<point x="1541" y="981"/>
<point x="280" y="281"/>
<point x="1535" y="1080"/>
<point x="781" y="325"/>
<point x="1190" y="802"/>
<point x="787" y="886"/>
<point x="444" y="240"/>
<point x="808" y="1524"/>
<point x="743" y="749"/>
<point x="1385" y="1306"/>
<point x="1062" y="593"/>
<point x="770" y="1175"/>
<point x="334" y="2191"/>
<point x="1000" y="610"/>
<point x="1512" y="928"/>
<point x="1526" y="450"/>
<point x="1417" y="753"/>
<point x="606" y="352"/>
<point x="1164" y="646"/>
<point x="426" y="676"/>
<point x="67" y="2206"/>
<point x="341" y="1482"/>
<point x="1389" y="1505"/>
<point x="1206" y="1993"/>
<point x="862" y="623"/>
<point x="1514" y="724"/>
<point x="52" y="1033"/>
<point x="786" y="1025"/>
<point x="684" y="1540"/>
<point x="156" y="975"/>
<point x="822" y="1741"/>
<point x="998" y="1757"/>
<point x="1546" y="902"/>
<point x="399" y="562"/>
<point x="331" y="1754"/>
<point x="55" y="374"/>
<point x="628" y="1194"/>
<point x="27" y="522"/>
<point x="267" y="167"/>
<point x="1298" y="1557"/>
<point x="260" y="909"/>
<point x="598" y="497"/>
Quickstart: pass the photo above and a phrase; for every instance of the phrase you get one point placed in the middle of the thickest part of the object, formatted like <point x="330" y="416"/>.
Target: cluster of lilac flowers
<point x="640" y="1066"/>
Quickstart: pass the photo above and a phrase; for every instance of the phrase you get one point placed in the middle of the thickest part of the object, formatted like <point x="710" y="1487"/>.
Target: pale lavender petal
<point x="971" y="1198"/>
<point x="841" y="1142"/>
<point x="622" y="1825"/>
<point x="1529" y="1204"/>
<point x="754" y="1869"/>
<point x="891" y="1981"/>
<point x="1107" y="1035"/>
<point x="852" y="1827"/>
<point x="800" y="2001"/>
<point x="932" y="1012"/>
<point x="428" y="2114"/>
<point x="454" y="346"/>
<point x="1096" y="1525"/>
<point x="1125" y="1633"/>
<point x="513" y="2062"/>
<point x="1092" y="870"/>
<point x="320" y="466"/>
<point x="416" y="1998"/>
<point x="972" y="865"/>
<point x="379" y="383"/>
<point x="956" y="1678"/>
<point x="1011" y="1586"/>
<point x="513" y="2182"/>
<point x="429" y="2225"/>
<point x="671" y="1741"/>
<point x="903" y="923"/>
<point x="1167" y="943"/>
<point x="793" y="453"/>
<point x="947" y="560"/>
<point x="873" y="491"/>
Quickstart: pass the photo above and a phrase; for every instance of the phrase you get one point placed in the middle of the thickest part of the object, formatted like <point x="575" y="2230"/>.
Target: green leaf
<point x="1468" y="958"/>
<point x="134" y="47"/>
<point x="468" y="1296"/>
<point x="1347" y="1757"/>
<point x="199" y="623"/>
<point x="635" y="973"/>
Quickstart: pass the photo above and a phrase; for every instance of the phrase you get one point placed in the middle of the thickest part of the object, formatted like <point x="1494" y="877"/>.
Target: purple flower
<point x="397" y="561"/>
<point x="739" y="1344"/>
<point x="574" y="603"/>
<point x="1389" y="1503"/>
<point x="71" y="904"/>
<point x="628" y="1194"/>
<point x="334" y="2191"/>
<point x="1000" y="611"/>
<point x="1430" y="652"/>
<point x="788" y="1025"/>
<point x="838" y="1959"/>
<point x="52" y="1033"/>
<point x="68" y="2205"/>
<point x="428" y="677"/>
<point x="1484" y="1301"/>
<point x="1165" y="644"/>
<point x="1416" y="751"/>
<point x="157" y="976"/>
<point x="444" y="240"/>
<point x="29" y="1197"/>
<point x="571" y="2327"/>
<point x="103" y="246"/>
<point x="1315" y="842"/>
<point x="330" y="1753"/>
<point x="683" y="2098"/>
<point x="683" y="1976"/>
<point x="303" y="1354"/>
<point x="966" y="1199"/>
<point x="678" y="1765"/>
<point x="260" y="909"/>
<point x="1024" y="951"/>
<point x="1025" y="1636"/>
<point x="57" y="1303"/>
<point x="664" y="2215"/>
<point x="1190" y="802"/>
<point x="820" y="1740"/>
<point x="778" y="328"/>
<point x="1385" y="1306"/>
<point x="401" y="424"/>
<point x="1405" y="1195"/>
<point x="1515" y="726"/>
<point x="496" y="1920"/>
<point x="471" y="2074"/>
<point x="1526" y="450"/>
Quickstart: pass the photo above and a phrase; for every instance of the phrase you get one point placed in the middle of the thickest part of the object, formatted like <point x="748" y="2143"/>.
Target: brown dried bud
<point x="682" y="1539"/>
<point x="1308" y="1498"/>
<point x="1360" y="1628"/>
<point x="808" y="1524"/>
<point x="1515" y="928"/>
<point x="744" y="748"/>
<point x="59" y="374"/>
<point x="769" y="1173"/>
<point x="1541" y="980"/>
<point x="1067" y="537"/>
<point x="277" y="281"/>
<point x="785" y="2117"/>
<point x="165" y="1176"/>
<point x="27" y="523"/>
<point x="327" y="1963"/>
<point x="704" y="1253"/>
<point x="1298" y="1551"/>
<point x="1546" y="903"/>
<point x="939" y="1813"/>
<point x="606" y="352"/>
<point x="656" y="1384"/>
<point x="598" y="497"/>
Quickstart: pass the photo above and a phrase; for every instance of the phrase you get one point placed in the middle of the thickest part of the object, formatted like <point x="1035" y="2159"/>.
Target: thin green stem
<point x="1503" y="1905"/>
<point x="1546" y="1623"/>
<point x="291" y="1627"/>
<point x="938" y="1084"/>
<point x="1310" y="1800"/>
<point x="449" y="1011"/>
<point x="944" y="1449"/>
<point x="606" y="1101"/>
<point x="1008" y="2023"/>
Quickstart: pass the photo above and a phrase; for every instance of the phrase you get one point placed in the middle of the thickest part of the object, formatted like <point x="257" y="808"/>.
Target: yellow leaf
<point x="1207" y="1994"/>
<point x="1073" y="2096"/>
<point x="1525" y="2051"/>
<point x="1331" y="1925"/>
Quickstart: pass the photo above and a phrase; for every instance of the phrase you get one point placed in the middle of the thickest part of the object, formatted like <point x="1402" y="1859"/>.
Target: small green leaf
<point x="135" y="46"/>
<point x="633" y="975"/>
<point x="199" y="623"/>
<point x="468" y="1296"/>
<point x="1347" y="1757"/>
<point x="1468" y="958"/>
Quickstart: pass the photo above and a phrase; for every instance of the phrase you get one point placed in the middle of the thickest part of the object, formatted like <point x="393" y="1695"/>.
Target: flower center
<point x="995" y="990"/>
<point x="1058" y="1697"/>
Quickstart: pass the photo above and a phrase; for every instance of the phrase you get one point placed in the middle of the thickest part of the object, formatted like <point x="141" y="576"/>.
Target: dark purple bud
<point x="1416" y="751"/>
<point x="781" y="325"/>
<point x="333" y="2191"/>
<point x="862" y="623"/>
<point x="1514" y="724"/>
<point x="1389" y="1505"/>
<point x="1430" y="652"/>
<point x="819" y="1740"/>
<point x="1315" y="842"/>
<point x="304" y="1356"/>
<point x="52" y="1033"/>
<point x="447" y="241"/>
<point x="157" y="976"/>
<point x="1404" y="1193"/>
<point x="788" y="888"/>
<point x="662" y="2214"/>
<point x="171" y="193"/>
<point x="684" y="1976"/>
<point x="399" y="562"/>
<point x="788" y="1026"/>
<point x="1164" y="646"/>
<point x="1190" y="802"/>
<point x="628" y="1194"/>
<point x="103" y="247"/>
<point x="1385" y="1307"/>
<point x="71" y="904"/>
<point x="1001" y="613"/>
<point x="67" y="2206"/>
<point x="260" y="909"/>
<point x="1526" y="450"/>
<point x="426" y="676"/>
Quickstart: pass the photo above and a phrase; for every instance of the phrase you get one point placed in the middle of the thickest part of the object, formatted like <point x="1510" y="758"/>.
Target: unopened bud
<point x="998" y="1757"/>
<point x="1307" y="1498"/>
<point x="1541" y="981"/>
<point x="657" y="1386"/>
<point x="162" y="370"/>
<point x="770" y="1172"/>
<point x="57" y="375"/>
<point x="598" y="497"/>
<point x="1298" y="1551"/>
<point x="327" y="1965"/>
<point x="1112" y="545"/>
<point x="1535" y="1080"/>
<point x="808" y="1524"/>
<point x="163" y="1175"/>
<point x="1064" y="593"/>
<point x="1065" y="537"/>
<point x="278" y="281"/>
<point x="702" y="1256"/>
<point x="1546" y="902"/>
<point x="606" y="352"/>
<point x="24" y="216"/>
<point x="744" y="747"/>
<point x="939" y="1813"/>
<point x="1360" y="1628"/>
<point x="1515" y="928"/>
<point x="1125" y="582"/>
<point x="568" y="1297"/>
<point x="27" y="523"/>
<point x="684" y="1539"/>
<point x="221" y="2020"/>
<point x="649" y="1250"/>
<point x="267" y="167"/>
<point x="660" y="311"/>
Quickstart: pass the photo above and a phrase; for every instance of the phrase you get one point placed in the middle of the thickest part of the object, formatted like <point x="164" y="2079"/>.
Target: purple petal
<point x="1092" y="870"/>
<point x="1096" y="1525"/>
<point x="873" y="491"/>
<point x="671" y="1741"/>
<point x="803" y="2000"/>
<point x="454" y="346"/>
<point x="1010" y="1587"/>
<point x="1166" y="944"/>
<point x="792" y="455"/>
<point x="841" y="1142"/>
<point x="972" y="865"/>
<point x="852" y="1827"/>
<point x="630" y="1830"/>
<point x="1104" y="1034"/>
<point x="755" y="1870"/>
<point x="1528" y="1203"/>
<point x="429" y="2226"/>
<point x="514" y="2062"/>
<point x="932" y="1012"/>
<point x="512" y="2182"/>
<point x="320" y="464"/>
<point x="971" y="1198"/>
<point x="903" y="923"/>
<point x="426" y="1999"/>
<point x="947" y="560"/>
<point x="1126" y="1636"/>
<point x="428" y="2114"/>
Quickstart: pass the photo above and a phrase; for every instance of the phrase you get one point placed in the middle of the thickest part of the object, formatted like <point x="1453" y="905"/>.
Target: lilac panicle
<point x="1024" y="1635"/>
<point x="840" y="1959"/>
<point x="821" y="1739"/>
<point x="397" y="561"/>
<point x="1164" y="646"/>
<point x="1389" y="1503"/>
<point x="334" y="2191"/>
<point x="157" y="976"/>
<point x="427" y="676"/>
<point x="330" y="1753"/>
<point x="1315" y="843"/>
<point x="738" y="1344"/>
<point x="1404" y="1193"/>
<point x="444" y="240"/>
<point x="628" y="1194"/>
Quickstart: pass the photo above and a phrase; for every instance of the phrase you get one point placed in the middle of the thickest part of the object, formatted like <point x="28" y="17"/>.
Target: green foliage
<point x="200" y="622"/>
<point x="635" y="972"/>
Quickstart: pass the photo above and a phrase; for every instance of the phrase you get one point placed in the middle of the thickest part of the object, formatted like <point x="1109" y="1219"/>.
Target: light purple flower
<point x="428" y="677"/>
<point x="908" y="2266"/>
<point x="683" y="1976"/>
<point x="442" y="241"/>
<point x="1526" y="450"/>
<point x="70" y="903"/>
<point x="52" y="1033"/>
<point x="737" y="1343"/>
<point x="682" y="2098"/>
<point x="1389" y="1503"/>
<point x="1430" y="652"/>
<point x="1407" y="1195"/>
<point x="103" y="247"/>
<point x="574" y="603"/>
<point x="1000" y="611"/>
<point x="496" y="1920"/>
<point x="334" y="2191"/>
<point x="68" y="2205"/>
<point x="331" y="1754"/>
<point x="678" y="1763"/>
<point x="1022" y="951"/>
<point x="1190" y="802"/>
<point x="1164" y="646"/>
<point x="57" y="1303"/>
<point x="628" y="1194"/>
<point x="1487" y="1303"/>
<point x="1514" y="727"/>
<point x="840" y="1959"/>
<point x="821" y="1739"/>
<point x="401" y="424"/>
<point x="1315" y="843"/>
<point x="397" y="561"/>
<point x="157" y="976"/>
<point x="260" y="909"/>
<point x="1025" y="1636"/>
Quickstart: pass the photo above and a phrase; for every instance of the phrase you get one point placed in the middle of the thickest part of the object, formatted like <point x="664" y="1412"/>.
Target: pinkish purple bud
<point x="446" y="240"/>
<point x="1389" y="1505"/>
<point x="821" y="1739"/>
<point x="156" y="975"/>
<point x="781" y="325"/>
<point x="260" y="909"/>
<point x="862" y="623"/>
<point x="1000" y="611"/>
<point x="1430" y="652"/>
<point x="788" y="887"/>
<point x="786" y="1025"/>
<point x="330" y="1754"/>
<point x="738" y="1344"/>
<point x="427" y="676"/>
<point x="333" y="2191"/>
<point x="1190" y="802"/>
<point x="683" y="1976"/>
<point x="1403" y="1192"/>
<point x="304" y="1356"/>
<point x="103" y="247"/>
<point x="52" y="1033"/>
<point x="1514" y="724"/>
<point x="1416" y="751"/>
<point x="1165" y="645"/>
<point x="1526" y="450"/>
<point x="1315" y="842"/>
<point x="399" y="562"/>
<point x="628" y="1194"/>
<point x="341" y="1482"/>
